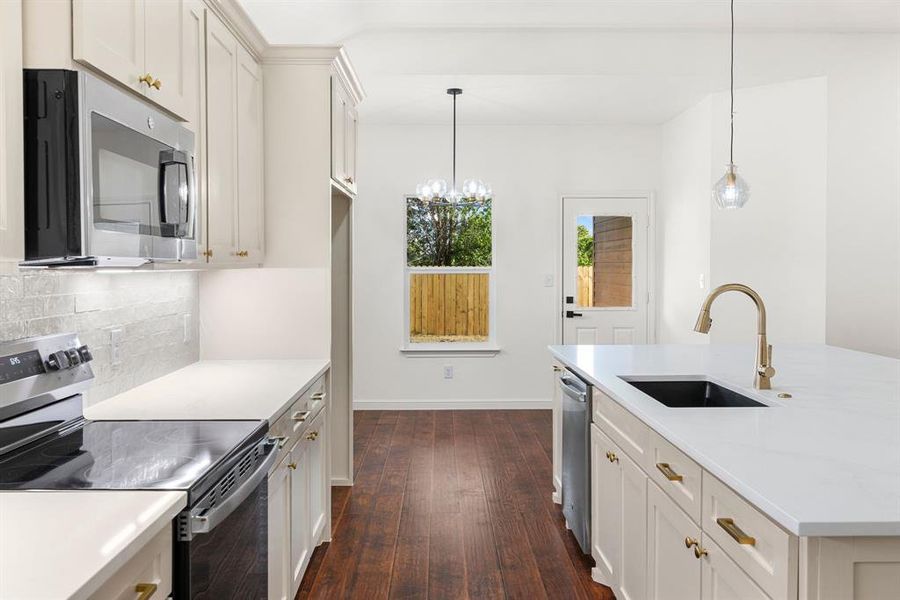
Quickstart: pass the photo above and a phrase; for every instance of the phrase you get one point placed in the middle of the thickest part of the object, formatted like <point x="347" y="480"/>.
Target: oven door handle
<point x="206" y="522"/>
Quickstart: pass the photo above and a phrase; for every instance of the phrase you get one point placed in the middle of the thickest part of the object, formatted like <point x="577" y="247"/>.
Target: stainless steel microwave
<point x="109" y="180"/>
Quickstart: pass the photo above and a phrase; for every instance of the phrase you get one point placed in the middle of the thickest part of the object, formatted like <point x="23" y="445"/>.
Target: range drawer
<point x="626" y="430"/>
<point x="677" y="475"/>
<point x="148" y="574"/>
<point x="761" y="548"/>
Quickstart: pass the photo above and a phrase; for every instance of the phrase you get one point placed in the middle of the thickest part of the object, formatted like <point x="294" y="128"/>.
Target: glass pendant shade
<point x="731" y="191"/>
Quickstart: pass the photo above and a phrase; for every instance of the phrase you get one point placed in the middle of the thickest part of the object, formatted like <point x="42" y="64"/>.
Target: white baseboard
<point x="510" y="404"/>
<point x="341" y="482"/>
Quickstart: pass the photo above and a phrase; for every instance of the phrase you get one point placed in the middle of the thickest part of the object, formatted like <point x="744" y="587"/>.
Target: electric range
<point x="221" y="538"/>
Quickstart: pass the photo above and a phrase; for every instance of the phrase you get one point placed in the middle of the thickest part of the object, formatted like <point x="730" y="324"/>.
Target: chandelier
<point x="439" y="191"/>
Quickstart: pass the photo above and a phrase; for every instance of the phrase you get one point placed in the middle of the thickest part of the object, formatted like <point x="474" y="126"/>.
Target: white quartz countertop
<point x="825" y="462"/>
<point x="215" y="389"/>
<point x="67" y="544"/>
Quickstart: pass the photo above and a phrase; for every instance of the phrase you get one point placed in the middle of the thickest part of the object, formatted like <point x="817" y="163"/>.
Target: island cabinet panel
<point x="673" y="570"/>
<point x="148" y="570"/>
<point x="675" y="474"/>
<point x="632" y="584"/>
<point x="760" y="547"/>
<point x="606" y="509"/>
<point x="723" y="579"/>
<point x="858" y="568"/>
<point x="623" y="428"/>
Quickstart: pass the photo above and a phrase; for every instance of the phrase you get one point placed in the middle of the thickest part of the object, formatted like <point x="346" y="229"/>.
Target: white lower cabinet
<point x="673" y="571"/>
<point x="279" y="532"/>
<point x="722" y="579"/>
<point x="618" y="518"/>
<point x="147" y="574"/>
<point x="299" y="498"/>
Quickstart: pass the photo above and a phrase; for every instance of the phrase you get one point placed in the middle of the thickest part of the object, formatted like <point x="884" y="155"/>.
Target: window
<point x="449" y="275"/>
<point x="604" y="262"/>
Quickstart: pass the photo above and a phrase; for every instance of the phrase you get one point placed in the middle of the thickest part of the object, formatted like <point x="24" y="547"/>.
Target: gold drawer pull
<point x="689" y="542"/>
<point x="146" y="590"/>
<point x="312" y="435"/>
<point x="292" y="466"/>
<point x="243" y="253"/>
<point x="300" y="415"/>
<point x="736" y="532"/>
<point x="666" y="470"/>
<point x="557" y="369"/>
<point x="611" y="457"/>
<point x="318" y="396"/>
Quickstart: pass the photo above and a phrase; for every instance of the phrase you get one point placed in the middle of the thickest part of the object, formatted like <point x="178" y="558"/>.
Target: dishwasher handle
<point x="575" y="392"/>
<point x="204" y="520"/>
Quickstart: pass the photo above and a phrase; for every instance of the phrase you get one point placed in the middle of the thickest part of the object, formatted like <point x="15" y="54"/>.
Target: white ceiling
<point x="563" y="61"/>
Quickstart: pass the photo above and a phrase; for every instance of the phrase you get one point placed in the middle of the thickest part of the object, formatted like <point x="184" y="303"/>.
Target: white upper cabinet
<point x="11" y="182"/>
<point x="249" y="158"/>
<point x="148" y="45"/>
<point x="344" y="123"/>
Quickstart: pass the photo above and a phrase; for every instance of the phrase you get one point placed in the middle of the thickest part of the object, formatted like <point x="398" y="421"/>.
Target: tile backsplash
<point x="156" y="312"/>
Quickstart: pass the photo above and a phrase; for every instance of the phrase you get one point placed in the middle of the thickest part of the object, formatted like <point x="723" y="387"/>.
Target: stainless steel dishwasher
<point x="576" y="456"/>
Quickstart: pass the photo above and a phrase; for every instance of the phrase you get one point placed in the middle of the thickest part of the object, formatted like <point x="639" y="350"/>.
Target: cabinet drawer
<point x="292" y="422"/>
<point x="760" y="547"/>
<point x="151" y="566"/>
<point x="677" y="475"/>
<point x="626" y="430"/>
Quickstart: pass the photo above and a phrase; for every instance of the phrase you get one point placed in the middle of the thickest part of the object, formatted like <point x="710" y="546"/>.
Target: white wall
<point x="529" y="168"/>
<point x="683" y="223"/>
<point x="776" y="243"/>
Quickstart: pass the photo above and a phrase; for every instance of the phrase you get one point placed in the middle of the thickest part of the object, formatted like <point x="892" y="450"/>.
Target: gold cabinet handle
<point x="243" y="253"/>
<point x="146" y="590"/>
<point x="348" y="180"/>
<point x="207" y="253"/>
<point x="312" y="436"/>
<point x="292" y="466"/>
<point x="319" y="396"/>
<point x="736" y="532"/>
<point x="146" y="78"/>
<point x="666" y="470"/>
<point x="611" y="456"/>
<point x="156" y="84"/>
<point x="300" y="415"/>
<point x="557" y="369"/>
<point x="700" y="551"/>
<point x="690" y="542"/>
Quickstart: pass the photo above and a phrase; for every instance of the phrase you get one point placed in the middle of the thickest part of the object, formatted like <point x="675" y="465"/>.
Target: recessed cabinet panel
<point x="299" y="526"/>
<point x="673" y="571"/>
<point x="109" y="36"/>
<point x="606" y="509"/>
<point x="338" y="133"/>
<point x="221" y="132"/>
<point x="633" y="569"/>
<point x="351" y="133"/>
<point x="171" y="46"/>
<point x="279" y="508"/>
<point x="724" y="580"/>
<point x="316" y="440"/>
<point x="249" y="158"/>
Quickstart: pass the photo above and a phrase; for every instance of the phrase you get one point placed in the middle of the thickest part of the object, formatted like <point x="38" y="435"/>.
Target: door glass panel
<point x="605" y="266"/>
<point x="125" y="178"/>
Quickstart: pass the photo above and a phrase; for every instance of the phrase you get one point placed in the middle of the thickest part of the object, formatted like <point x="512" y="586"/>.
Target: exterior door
<point x="605" y="265"/>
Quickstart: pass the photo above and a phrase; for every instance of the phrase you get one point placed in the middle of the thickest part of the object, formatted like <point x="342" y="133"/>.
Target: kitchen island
<point x="815" y="476"/>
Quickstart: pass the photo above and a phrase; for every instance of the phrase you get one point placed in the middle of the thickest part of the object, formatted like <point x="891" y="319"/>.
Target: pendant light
<point x="438" y="191"/>
<point x="731" y="191"/>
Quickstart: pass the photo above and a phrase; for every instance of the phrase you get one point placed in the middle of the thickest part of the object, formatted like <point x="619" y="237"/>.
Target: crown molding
<point x="238" y="21"/>
<point x="331" y="56"/>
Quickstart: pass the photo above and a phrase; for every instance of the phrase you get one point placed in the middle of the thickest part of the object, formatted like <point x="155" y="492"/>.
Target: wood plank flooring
<point x="450" y="504"/>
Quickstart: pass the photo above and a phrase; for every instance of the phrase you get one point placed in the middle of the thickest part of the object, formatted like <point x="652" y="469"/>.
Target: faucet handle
<point x="769" y="356"/>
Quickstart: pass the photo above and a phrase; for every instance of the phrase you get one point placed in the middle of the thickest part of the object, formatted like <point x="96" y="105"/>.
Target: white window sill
<point x="457" y="350"/>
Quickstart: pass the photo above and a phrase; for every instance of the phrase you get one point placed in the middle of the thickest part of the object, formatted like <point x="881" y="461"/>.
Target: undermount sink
<point x="694" y="394"/>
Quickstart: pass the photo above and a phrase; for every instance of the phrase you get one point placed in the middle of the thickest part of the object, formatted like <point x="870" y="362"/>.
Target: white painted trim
<point x="333" y="56"/>
<point x="341" y="482"/>
<point x="495" y="404"/>
<point x="456" y="350"/>
<point x="240" y="24"/>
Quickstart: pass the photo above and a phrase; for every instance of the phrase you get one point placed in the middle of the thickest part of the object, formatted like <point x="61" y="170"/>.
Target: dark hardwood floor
<point x="450" y="504"/>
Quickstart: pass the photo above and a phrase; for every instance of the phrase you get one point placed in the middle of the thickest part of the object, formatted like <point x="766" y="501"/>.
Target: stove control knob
<point x="85" y="354"/>
<point x="74" y="357"/>
<point x="58" y="360"/>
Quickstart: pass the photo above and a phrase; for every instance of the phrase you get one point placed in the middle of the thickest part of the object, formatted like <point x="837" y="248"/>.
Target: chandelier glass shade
<point x="441" y="191"/>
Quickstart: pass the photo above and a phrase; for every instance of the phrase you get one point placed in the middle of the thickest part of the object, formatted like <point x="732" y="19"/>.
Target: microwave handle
<point x="167" y="160"/>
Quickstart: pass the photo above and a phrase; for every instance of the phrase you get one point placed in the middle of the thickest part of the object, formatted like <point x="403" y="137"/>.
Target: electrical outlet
<point x="448" y="372"/>
<point x="115" y="346"/>
<point x="548" y="280"/>
<point x="187" y="329"/>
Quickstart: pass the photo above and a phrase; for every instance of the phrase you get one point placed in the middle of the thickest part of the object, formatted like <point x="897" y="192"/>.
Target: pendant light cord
<point x="731" y="147"/>
<point x="454" y="144"/>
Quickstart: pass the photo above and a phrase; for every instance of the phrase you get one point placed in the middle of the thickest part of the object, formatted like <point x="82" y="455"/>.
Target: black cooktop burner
<point x="134" y="455"/>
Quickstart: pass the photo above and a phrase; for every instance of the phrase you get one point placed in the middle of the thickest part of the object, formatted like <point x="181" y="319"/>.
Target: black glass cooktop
<point x="132" y="455"/>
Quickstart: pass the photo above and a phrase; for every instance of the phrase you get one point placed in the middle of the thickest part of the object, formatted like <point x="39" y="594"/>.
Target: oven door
<point x="138" y="178"/>
<point x="221" y="547"/>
